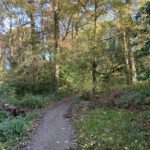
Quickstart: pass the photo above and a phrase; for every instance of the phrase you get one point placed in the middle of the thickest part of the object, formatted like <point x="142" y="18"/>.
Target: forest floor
<point x="116" y="119"/>
<point x="55" y="130"/>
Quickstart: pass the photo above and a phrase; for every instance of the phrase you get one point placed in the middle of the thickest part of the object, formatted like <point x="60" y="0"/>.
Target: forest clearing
<point x="74" y="75"/>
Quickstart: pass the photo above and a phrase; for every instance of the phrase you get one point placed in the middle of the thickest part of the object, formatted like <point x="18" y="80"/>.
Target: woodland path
<point x="55" y="132"/>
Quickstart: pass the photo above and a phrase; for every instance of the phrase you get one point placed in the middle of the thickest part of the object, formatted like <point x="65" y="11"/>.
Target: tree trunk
<point x="127" y="61"/>
<point x="1" y="66"/>
<point x="134" y="75"/>
<point x="56" y="45"/>
<point x="130" y="62"/>
<point x="94" y="77"/>
<point x="72" y="32"/>
<point x="42" y="33"/>
<point x="11" y="59"/>
<point x="94" y="65"/>
<point x="34" y="47"/>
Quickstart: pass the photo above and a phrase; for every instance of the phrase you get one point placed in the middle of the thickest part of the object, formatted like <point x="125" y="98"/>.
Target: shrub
<point x="15" y="126"/>
<point x="33" y="101"/>
<point x="141" y="96"/>
<point x="18" y="126"/>
<point x="3" y="115"/>
<point x="31" y="116"/>
<point x="86" y="96"/>
<point x="12" y="130"/>
<point x="8" y="92"/>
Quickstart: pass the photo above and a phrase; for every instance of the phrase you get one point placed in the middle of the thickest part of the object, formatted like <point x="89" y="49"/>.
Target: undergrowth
<point x="140" y="96"/>
<point x="15" y="130"/>
<point x="113" y="128"/>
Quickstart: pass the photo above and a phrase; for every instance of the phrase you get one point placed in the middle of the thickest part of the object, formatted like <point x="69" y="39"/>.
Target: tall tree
<point x="33" y="42"/>
<point x="56" y="11"/>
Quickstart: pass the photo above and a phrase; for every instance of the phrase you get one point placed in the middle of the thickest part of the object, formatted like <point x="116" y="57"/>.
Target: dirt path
<point x="55" y="131"/>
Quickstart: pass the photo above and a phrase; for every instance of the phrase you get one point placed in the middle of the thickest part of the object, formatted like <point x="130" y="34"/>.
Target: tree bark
<point x="129" y="60"/>
<point x="56" y="45"/>
<point x="33" y="43"/>
<point x="1" y="66"/>
<point x="134" y="75"/>
<point x="94" y="65"/>
<point x="42" y="32"/>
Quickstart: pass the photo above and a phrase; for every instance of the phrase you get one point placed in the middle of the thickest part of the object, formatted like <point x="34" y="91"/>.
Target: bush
<point x="87" y="96"/>
<point x="3" y="115"/>
<point x="15" y="130"/>
<point x="8" y="92"/>
<point x="18" y="126"/>
<point x="38" y="101"/>
<point x="12" y="129"/>
<point x="33" y="101"/>
<point x="31" y="116"/>
<point x="141" y="96"/>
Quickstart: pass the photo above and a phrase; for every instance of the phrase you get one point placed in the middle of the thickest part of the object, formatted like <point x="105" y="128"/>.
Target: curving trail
<point x="56" y="130"/>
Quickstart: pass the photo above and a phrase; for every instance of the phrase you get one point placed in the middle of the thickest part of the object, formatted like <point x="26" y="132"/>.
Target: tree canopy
<point x="78" y="45"/>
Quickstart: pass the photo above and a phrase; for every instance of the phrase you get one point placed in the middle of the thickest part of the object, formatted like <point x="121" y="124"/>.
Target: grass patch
<point x="113" y="129"/>
<point x="140" y="96"/>
<point x="34" y="101"/>
<point x="13" y="131"/>
<point x="30" y="100"/>
<point x="3" y="115"/>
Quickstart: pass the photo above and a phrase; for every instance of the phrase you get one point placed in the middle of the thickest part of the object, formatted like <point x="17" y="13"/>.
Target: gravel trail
<point x="55" y="131"/>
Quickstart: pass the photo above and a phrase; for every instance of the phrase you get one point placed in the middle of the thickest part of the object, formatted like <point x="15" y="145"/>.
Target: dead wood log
<point x="14" y="110"/>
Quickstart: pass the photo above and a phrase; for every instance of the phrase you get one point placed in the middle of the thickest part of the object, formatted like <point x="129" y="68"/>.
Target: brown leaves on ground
<point x="142" y="122"/>
<point x="109" y="97"/>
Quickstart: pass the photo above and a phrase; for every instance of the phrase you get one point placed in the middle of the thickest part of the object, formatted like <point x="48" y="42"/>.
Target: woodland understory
<point x="96" y="49"/>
